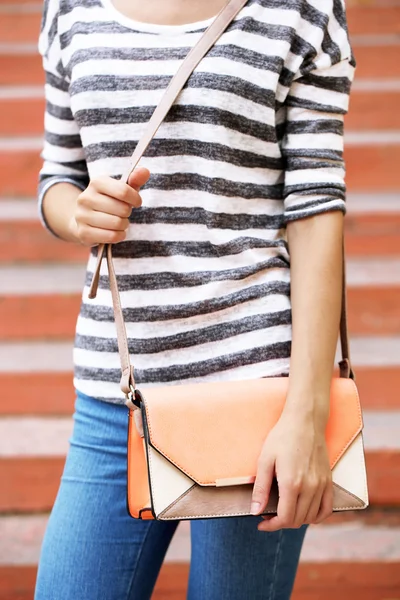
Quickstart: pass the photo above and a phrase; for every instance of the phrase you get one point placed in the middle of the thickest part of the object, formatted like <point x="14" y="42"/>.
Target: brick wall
<point x="356" y="556"/>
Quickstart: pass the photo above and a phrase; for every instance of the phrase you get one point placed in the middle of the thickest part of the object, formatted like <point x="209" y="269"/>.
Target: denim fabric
<point x="93" y="550"/>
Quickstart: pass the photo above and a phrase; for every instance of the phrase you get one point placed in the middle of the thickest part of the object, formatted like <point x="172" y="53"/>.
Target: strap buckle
<point x="133" y="398"/>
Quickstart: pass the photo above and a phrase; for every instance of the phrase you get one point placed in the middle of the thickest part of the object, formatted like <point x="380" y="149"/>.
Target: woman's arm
<point x="295" y="451"/>
<point x="70" y="206"/>
<point x="316" y="247"/>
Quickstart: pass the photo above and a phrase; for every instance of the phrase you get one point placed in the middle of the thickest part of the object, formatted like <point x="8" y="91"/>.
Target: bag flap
<point x="214" y="432"/>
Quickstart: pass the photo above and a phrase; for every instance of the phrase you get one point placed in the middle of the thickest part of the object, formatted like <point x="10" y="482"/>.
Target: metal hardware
<point x="133" y="398"/>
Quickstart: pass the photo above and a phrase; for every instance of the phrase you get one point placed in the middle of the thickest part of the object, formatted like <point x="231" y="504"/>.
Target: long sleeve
<point x="318" y="99"/>
<point x="63" y="155"/>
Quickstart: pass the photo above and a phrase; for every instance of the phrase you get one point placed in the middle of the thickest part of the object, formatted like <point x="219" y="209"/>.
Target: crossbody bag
<point x="193" y="448"/>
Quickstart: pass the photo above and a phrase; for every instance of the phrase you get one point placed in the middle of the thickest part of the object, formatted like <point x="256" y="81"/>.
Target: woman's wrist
<point x="309" y="407"/>
<point x="59" y="207"/>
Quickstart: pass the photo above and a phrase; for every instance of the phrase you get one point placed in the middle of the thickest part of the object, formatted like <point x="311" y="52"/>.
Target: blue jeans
<point x="93" y="550"/>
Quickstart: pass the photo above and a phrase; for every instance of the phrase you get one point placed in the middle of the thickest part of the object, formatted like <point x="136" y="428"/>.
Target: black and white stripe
<point x="255" y="140"/>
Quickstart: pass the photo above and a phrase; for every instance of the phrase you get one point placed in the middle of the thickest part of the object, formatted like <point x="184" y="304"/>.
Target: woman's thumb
<point x="138" y="177"/>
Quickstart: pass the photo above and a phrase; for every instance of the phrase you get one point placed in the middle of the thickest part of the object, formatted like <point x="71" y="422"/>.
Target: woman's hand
<point x="295" y="453"/>
<point x="103" y="209"/>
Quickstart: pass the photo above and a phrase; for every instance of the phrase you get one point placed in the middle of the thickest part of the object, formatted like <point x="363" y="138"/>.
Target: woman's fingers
<point x="115" y="189"/>
<point x="92" y="236"/>
<point x="103" y="220"/>
<point x="106" y="204"/>
<point x="262" y="485"/>
<point x="323" y="499"/>
<point x="138" y="177"/>
<point x="326" y="506"/>
<point x="287" y="504"/>
<point x="308" y="504"/>
<point x="103" y="209"/>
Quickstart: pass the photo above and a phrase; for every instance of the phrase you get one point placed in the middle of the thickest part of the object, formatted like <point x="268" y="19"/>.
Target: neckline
<point x="153" y="28"/>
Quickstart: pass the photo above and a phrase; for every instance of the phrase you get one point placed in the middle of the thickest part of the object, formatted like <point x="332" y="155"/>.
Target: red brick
<point x="36" y="394"/>
<point x="383" y="469"/>
<point x="53" y="393"/>
<point x="21" y="69"/>
<point x="24" y="27"/>
<point x="372" y="62"/>
<point x="373" y="20"/>
<point x="379" y="387"/>
<point x="380" y="62"/>
<point x="353" y="581"/>
<point x="373" y="234"/>
<point x="373" y="111"/>
<point x="19" y="172"/>
<point x="40" y="317"/>
<point x="20" y="27"/>
<point x="372" y="311"/>
<point x="28" y="241"/>
<point x="21" y="117"/>
<point x="349" y="580"/>
<point x="373" y="168"/>
<point x="17" y="583"/>
<point x="32" y="483"/>
<point x="369" y="168"/>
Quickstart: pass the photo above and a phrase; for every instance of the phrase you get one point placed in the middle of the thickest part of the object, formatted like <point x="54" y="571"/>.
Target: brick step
<point x="368" y="19"/>
<point x="372" y="311"/>
<point x="26" y="241"/>
<point x="43" y="439"/>
<point x="372" y="109"/>
<point x="25" y="115"/>
<point x="372" y="234"/>
<point x="370" y="166"/>
<point x="32" y="482"/>
<point x="357" y="561"/>
<point x="24" y="26"/>
<point x="353" y="581"/>
<point x="22" y="65"/>
<point x="51" y="393"/>
<point x="42" y="302"/>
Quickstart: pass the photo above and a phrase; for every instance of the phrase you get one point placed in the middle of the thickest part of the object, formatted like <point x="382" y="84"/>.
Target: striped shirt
<point x="254" y="141"/>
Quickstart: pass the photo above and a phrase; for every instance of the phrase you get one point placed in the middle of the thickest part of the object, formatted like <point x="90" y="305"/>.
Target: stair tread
<point x="34" y="393"/>
<point x="370" y="168"/>
<point x="48" y="436"/>
<point x="20" y="538"/>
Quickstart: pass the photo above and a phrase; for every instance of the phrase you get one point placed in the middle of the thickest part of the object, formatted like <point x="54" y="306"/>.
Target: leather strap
<point x="207" y="40"/>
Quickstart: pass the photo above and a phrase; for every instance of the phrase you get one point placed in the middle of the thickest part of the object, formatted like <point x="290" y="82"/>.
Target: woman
<point x="245" y="172"/>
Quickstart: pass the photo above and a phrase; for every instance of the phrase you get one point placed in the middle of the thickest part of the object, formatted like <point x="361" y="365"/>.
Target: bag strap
<point x="207" y="40"/>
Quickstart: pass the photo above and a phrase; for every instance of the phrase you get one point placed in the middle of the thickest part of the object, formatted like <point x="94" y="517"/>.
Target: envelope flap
<point x="214" y="431"/>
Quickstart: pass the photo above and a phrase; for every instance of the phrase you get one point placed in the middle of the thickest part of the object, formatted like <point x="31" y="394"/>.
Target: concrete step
<point x="358" y="561"/>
